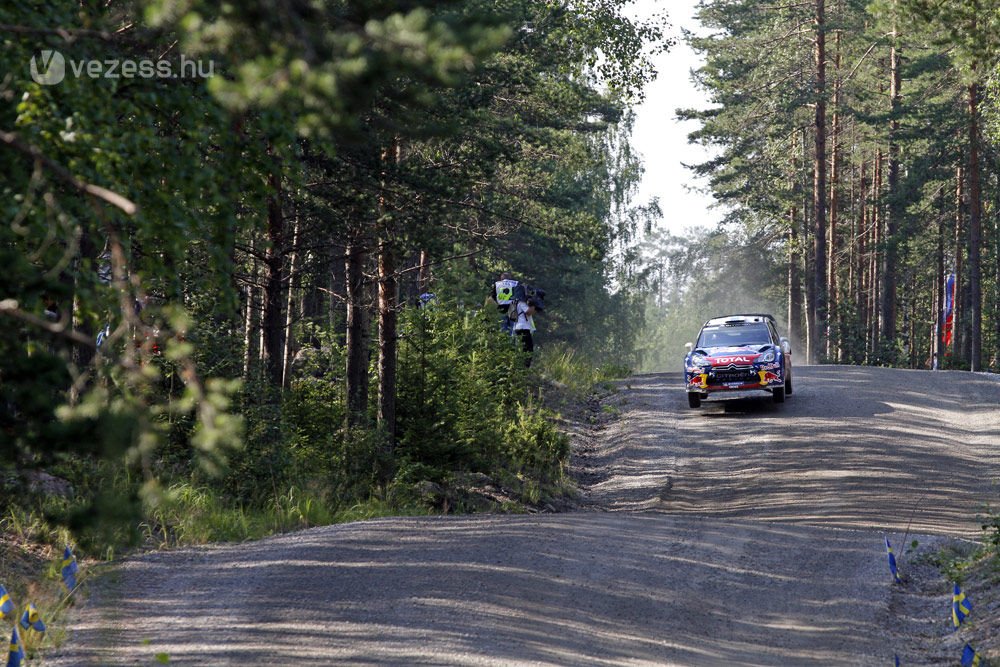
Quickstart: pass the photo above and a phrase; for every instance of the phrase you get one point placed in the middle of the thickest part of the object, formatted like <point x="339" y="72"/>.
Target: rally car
<point x="738" y="356"/>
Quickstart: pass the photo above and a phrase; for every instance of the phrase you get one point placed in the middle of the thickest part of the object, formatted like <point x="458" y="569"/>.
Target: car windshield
<point x="734" y="336"/>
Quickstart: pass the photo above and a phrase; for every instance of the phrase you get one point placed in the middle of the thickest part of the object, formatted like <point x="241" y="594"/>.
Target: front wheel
<point x="778" y="393"/>
<point x="694" y="400"/>
<point x="788" y="385"/>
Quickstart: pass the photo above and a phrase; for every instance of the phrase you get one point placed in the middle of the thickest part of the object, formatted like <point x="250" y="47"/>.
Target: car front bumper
<point x="757" y="378"/>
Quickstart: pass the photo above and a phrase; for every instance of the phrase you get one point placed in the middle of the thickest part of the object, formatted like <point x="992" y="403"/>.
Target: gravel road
<point x="743" y="533"/>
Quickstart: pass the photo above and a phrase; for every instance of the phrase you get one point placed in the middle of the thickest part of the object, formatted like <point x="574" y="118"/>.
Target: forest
<point x="218" y="224"/>
<point x="855" y="157"/>
<point x="247" y="248"/>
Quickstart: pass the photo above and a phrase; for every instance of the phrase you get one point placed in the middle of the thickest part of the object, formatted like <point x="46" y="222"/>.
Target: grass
<point x="188" y="515"/>
<point x="578" y="374"/>
<point x="31" y="548"/>
<point x="30" y="563"/>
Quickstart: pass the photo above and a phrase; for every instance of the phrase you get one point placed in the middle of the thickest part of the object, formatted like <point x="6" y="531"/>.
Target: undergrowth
<point x="475" y="433"/>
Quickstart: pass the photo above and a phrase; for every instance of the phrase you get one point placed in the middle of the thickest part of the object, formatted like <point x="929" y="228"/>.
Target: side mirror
<point x="688" y="346"/>
<point x="786" y="347"/>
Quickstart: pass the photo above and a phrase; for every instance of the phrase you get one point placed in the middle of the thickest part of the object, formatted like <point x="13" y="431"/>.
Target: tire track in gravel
<point x="743" y="534"/>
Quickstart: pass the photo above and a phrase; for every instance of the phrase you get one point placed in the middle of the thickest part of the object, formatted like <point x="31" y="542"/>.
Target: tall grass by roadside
<point x="188" y="514"/>
<point x="579" y="374"/>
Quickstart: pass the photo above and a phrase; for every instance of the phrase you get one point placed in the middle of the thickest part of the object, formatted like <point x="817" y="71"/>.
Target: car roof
<point x="740" y="319"/>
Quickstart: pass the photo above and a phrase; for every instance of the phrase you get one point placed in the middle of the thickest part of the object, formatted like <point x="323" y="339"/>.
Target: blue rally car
<point x="738" y="356"/>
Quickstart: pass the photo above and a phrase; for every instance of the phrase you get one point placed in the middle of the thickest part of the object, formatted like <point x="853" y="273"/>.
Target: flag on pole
<point x="960" y="607"/>
<point x="969" y="657"/>
<point x="16" y="655"/>
<point x="69" y="569"/>
<point x="892" y="561"/>
<point x="31" y="619"/>
<point x="6" y="606"/>
<point x="949" y="308"/>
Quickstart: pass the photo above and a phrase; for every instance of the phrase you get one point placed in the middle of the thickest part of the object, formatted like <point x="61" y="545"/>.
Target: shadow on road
<point x="711" y="545"/>
<point x="853" y="447"/>
<point x="549" y="590"/>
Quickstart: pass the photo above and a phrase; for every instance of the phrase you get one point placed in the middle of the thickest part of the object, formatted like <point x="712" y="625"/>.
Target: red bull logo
<point x="767" y="377"/>
<point x="699" y="380"/>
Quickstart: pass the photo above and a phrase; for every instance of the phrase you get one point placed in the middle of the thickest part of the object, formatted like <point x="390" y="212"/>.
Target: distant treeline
<point x="856" y="150"/>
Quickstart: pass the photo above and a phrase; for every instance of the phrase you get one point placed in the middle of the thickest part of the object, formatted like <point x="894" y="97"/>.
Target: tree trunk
<point x="996" y="287"/>
<point x="975" y="305"/>
<point x="357" y="332"/>
<point x="82" y="355"/>
<point x="251" y="323"/>
<point x="794" y="280"/>
<point x="387" y="310"/>
<point x="293" y="273"/>
<point x="387" y="339"/>
<point x="833" y="340"/>
<point x="936" y="348"/>
<point x="274" y="260"/>
<point x="817" y="283"/>
<point x="887" y="285"/>
<point x="424" y="274"/>
<point x="958" y="306"/>
<point x="874" y="244"/>
<point x="857" y="280"/>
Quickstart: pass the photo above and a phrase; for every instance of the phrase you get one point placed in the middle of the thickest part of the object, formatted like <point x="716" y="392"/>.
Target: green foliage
<point x="570" y="369"/>
<point x="185" y="514"/>
<point x="215" y="273"/>
<point x="534" y="447"/>
<point x="459" y="380"/>
<point x="991" y="528"/>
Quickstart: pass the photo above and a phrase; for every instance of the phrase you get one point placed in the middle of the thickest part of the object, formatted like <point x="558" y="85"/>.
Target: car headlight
<point x="768" y="356"/>
<point x="698" y="359"/>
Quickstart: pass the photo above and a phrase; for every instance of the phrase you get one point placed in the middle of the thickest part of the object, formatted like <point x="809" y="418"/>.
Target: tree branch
<point x="68" y="34"/>
<point x="11" y="308"/>
<point x="10" y="139"/>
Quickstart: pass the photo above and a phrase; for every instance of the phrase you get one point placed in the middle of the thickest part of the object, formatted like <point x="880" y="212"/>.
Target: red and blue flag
<point x="949" y="309"/>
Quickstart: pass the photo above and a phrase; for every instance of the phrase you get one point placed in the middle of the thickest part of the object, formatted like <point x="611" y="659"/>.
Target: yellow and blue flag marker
<point x="69" y="569"/>
<point x="970" y="658"/>
<point x="961" y="607"/>
<point x="6" y="605"/>
<point x="892" y="561"/>
<point x="16" y="655"/>
<point x="31" y="619"/>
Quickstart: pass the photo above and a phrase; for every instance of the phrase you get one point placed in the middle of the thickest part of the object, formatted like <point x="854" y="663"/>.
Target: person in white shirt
<point x="525" y="325"/>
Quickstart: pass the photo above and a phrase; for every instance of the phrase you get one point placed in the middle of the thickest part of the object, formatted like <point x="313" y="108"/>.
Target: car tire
<point x="778" y="393"/>
<point x="788" y="385"/>
<point x="694" y="400"/>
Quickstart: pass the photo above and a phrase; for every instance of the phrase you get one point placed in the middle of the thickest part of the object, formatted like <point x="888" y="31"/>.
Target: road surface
<point x="744" y="533"/>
